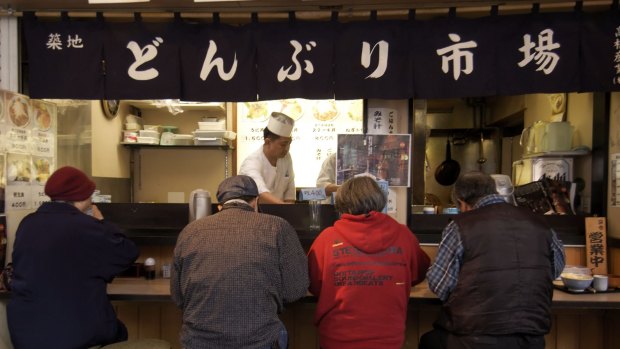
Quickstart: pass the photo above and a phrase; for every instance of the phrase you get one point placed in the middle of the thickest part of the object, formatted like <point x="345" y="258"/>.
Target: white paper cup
<point x="600" y="282"/>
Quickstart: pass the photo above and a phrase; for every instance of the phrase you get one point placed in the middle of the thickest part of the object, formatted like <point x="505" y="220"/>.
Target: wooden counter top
<point x="159" y="290"/>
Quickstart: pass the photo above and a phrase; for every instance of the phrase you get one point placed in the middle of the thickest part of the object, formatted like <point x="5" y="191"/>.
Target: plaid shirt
<point x="232" y="274"/>
<point x="443" y="274"/>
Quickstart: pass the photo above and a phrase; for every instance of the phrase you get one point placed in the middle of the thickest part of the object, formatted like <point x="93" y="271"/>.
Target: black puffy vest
<point x="505" y="282"/>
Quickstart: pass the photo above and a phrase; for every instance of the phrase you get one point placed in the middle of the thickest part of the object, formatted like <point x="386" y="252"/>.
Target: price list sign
<point x="27" y="130"/>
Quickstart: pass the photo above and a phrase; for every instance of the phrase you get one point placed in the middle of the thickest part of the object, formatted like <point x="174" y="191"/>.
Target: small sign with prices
<point x="312" y="194"/>
<point x="596" y="244"/>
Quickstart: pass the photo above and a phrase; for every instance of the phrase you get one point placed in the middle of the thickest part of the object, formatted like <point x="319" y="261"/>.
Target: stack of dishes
<point x="212" y="124"/>
<point x="133" y="124"/>
<point x="148" y="136"/>
<point x="210" y="137"/>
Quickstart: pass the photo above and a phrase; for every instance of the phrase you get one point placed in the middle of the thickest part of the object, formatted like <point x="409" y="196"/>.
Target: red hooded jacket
<point x="362" y="270"/>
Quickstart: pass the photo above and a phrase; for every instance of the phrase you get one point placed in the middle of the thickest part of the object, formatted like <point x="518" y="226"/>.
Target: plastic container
<point x="167" y="138"/>
<point x="149" y="133"/>
<point x="183" y="139"/>
<point x="209" y="134"/>
<point x="209" y="141"/>
<point x="130" y="136"/>
<point x="148" y="140"/>
<point x="156" y="128"/>
<point x="212" y="125"/>
<point x="132" y="126"/>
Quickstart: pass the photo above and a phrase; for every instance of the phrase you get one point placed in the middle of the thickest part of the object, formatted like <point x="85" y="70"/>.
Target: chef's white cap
<point x="281" y="124"/>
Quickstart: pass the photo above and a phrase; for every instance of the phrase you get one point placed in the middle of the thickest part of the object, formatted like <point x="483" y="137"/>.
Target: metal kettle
<point x="199" y="204"/>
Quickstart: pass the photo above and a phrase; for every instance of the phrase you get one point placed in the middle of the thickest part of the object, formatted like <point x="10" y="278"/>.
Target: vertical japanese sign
<point x="28" y="149"/>
<point x="382" y="121"/>
<point x="596" y="244"/>
<point x="614" y="194"/>
<point x="317" y="124"/>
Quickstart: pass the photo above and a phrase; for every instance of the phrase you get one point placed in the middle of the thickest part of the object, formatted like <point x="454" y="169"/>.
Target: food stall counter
<point x="159" y="290"/>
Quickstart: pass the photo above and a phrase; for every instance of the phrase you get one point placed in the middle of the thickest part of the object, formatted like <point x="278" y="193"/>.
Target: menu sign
<point x="317" y="124"/>
<point x="596" y="244"/>
<point x="27" y="149"/>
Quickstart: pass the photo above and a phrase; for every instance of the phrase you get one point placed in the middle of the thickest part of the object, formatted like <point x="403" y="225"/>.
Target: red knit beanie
<point x="69" y="184"/>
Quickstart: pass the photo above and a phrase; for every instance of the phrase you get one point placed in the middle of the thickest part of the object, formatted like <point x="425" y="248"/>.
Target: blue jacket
<point x="63" y="260"/>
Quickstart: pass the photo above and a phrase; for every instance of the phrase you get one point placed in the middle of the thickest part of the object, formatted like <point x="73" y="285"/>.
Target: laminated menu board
<point x="317" y="124"/>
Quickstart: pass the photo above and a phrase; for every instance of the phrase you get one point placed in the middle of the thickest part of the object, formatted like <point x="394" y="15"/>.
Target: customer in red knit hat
<point x="63" y="258"/>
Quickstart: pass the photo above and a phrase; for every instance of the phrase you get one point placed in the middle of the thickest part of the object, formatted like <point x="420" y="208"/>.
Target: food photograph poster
<point x="385" y="157"/>
<point x="317" y="125"/>
<point x="27" y="149"/>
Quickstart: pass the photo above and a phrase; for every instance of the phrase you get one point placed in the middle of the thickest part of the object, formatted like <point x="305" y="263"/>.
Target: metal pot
<point x="448" y="171"/>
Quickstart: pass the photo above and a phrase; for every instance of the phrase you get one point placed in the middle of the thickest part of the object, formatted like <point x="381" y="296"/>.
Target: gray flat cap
<point x="235" y="187"/>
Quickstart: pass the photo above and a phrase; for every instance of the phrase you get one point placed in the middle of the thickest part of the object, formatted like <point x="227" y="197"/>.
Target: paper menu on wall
<point x="28" y="148"/>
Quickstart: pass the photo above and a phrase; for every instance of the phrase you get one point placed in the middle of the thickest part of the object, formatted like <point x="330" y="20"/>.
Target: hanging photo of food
<point x="292" y="108"/>
<point x="18" y="168"/>
<point x="42" y="114"/>
<point x="42" y="169"/>
<point x="256" y="111"/>
<point x="356" y="111"/>
<point x="18" y="109"/>
<point x="325" y="110"/>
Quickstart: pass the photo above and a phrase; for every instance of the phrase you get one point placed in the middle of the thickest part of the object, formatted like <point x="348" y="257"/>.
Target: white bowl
<point x="577" y="269"/>
<point x="576" y="282"/>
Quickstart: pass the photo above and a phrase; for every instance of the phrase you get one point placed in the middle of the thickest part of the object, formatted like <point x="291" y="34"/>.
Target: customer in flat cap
<point x="63" y="258"/>
<point x="234" y="271"/>
<point x="271" y="166"/>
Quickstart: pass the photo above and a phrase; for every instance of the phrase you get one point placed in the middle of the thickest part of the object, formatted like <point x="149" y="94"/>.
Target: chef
<point x="271" y="166"/>
<point x="327" y="178"/>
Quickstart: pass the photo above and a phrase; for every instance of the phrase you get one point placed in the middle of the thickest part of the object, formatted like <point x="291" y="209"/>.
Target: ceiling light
<point x="115" y="1"/>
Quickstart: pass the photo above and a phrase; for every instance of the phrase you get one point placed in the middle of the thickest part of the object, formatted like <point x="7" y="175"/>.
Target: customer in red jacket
<point x="362" y="270"/>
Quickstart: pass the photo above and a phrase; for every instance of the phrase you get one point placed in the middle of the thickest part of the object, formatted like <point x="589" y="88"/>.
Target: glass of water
<point x="315" y="215"/>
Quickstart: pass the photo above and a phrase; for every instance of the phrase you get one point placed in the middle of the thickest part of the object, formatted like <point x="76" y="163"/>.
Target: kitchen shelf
<point x="558" y="154"/>
<point x="217" y="108"/>
<point x="158" y="146"/>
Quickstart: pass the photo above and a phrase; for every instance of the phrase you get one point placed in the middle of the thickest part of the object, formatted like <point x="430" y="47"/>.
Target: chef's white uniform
<point x="327" y="175"/>
<point x="278" y="180"/>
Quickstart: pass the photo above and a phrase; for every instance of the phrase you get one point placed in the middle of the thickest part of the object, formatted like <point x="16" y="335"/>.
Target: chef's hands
<point x="268" y="198"/>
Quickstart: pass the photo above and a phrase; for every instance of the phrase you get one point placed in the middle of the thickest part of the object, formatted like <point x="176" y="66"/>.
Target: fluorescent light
<point x="115" y="1"/>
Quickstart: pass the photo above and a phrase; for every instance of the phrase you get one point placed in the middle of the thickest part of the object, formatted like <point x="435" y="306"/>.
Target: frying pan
<point x="448" y="171"/>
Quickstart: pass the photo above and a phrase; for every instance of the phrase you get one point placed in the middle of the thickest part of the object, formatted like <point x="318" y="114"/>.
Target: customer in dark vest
<point x="493" y="272"/>
<point x="64" y="256"/>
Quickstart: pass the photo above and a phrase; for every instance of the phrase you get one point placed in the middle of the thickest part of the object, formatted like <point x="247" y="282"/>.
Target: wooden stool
<point x="147" y="343"/>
